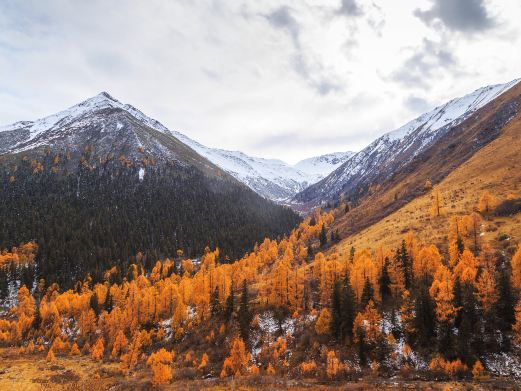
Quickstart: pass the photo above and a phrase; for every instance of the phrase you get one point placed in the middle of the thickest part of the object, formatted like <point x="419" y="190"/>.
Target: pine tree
<point x="457" y="300"/>
<point x="311" y="253"/>
<point x="215" y="305"/>
<point x="402" y="259"/>
<point x="385" y="282"/>
<point x="336" y="311"/>
<point x="352" y="252"/>
<point x="323" y="236"/>
<point x="108" y="301"/>
<point x="505" y="306"/>
<point x="244" y="315"/>
<point x="467" y="332"/>
<point x="348" y="309"/>
<point x="230" y="304"/>
<point x="367" y="293"/>
<point x="4" y="283"/>
<point x="425" y="316"/>
<point x="94" y="304"/>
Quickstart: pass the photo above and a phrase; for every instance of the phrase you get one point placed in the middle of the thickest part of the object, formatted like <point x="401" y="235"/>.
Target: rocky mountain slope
<point x="393" y="151"/>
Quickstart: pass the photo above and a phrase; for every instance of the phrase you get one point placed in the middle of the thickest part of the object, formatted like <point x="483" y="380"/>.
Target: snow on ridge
<point x="406" y="141"/>
<point x="321" y="166"/>
<point x="98" y="102"/>
<point x="452" y="110"/>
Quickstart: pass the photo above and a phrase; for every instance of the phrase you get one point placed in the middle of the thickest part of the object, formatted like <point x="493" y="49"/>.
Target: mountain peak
<point x="103" y="98"/>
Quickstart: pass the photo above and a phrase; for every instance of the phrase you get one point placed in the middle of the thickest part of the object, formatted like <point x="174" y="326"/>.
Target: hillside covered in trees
<point x="293" y="308"/>
<point x="87" y="218"/>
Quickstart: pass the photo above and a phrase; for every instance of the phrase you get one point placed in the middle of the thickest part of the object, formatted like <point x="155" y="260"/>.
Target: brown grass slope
<point x="461" y="171"/>
<point x="450" y="152"/>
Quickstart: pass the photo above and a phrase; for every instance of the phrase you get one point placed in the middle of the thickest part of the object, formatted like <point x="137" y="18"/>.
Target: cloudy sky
<point x="281" y="79"/>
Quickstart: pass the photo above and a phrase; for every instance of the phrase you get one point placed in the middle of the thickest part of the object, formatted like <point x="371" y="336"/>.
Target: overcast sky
<point x="279" y="79"/>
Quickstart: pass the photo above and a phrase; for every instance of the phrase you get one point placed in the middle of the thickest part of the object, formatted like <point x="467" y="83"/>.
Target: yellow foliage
<point x="50" y="356"/>
<point x="237" y="362"/>
<point x="323" y="323"/>
<point x="75" y="351"/>
<point x="98" y="350"/>
<point x="160" y="362"/>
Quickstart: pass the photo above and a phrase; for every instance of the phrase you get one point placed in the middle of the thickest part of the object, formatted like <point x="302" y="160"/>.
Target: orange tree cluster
<point x="449" y="310"/>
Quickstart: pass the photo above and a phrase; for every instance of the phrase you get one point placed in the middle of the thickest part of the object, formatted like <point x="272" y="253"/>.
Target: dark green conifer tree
<point x="348" y="309"/>
<point x="323" y="236"/>
<point x="336" y="311"/>
<point x="215" y="305"/>
<point x="385" y="283"/>
<point x="230" y="304"/>
<point x="367" y="294"/>
<point x="244" y="315"/>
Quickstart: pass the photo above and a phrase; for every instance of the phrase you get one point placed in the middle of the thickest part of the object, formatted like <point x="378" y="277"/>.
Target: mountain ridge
<point x="393" y="150"/>
<point x="271" y="178"/>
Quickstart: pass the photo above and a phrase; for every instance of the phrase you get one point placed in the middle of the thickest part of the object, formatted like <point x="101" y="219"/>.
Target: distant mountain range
<point x="271" y="178"/>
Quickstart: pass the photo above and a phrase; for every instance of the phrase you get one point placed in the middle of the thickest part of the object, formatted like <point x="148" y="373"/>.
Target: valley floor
<point x="32" y="373"/>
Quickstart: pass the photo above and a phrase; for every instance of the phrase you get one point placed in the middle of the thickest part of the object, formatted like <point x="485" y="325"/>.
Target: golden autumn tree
<point x="478" y="370"/>
<point x="397" y="277"/>
<point x="50" y="356"/>
<point x="516" y="268"/>
<point x="75" y="351"/>
<point x="368" y="323"/>
<point x="467" y="267"/>
<point x="471" y="230"/>
<point x="130" y="358"/>
<point x="486" y="290"/>
<point x="333" y="365"/>
<point x="204" y="362"/>
<point x="436" y="203"/>
<point x="486" y="203"/>
<point x="25" y="312"/>
<point x="426" y="262"/>
<point x="120" y="344"/>
<point x="237" y="362"/>
<point x="441" y="291"/>
<point x="363" y="269"/>
<point x="517" y="325"/>
<point x="98" y="350"/>
<point x="323" y="323"/>
<point x="160" y="362"/>
<point x="407" y="314"/>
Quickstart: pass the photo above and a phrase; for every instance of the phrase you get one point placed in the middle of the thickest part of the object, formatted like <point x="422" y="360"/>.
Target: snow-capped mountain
<point x="113" y="120"/>
<point x="321" y="166"/>
<point x="392" y="151"/>
<point x="271" y="178"/>
<point x="25" y="135"/>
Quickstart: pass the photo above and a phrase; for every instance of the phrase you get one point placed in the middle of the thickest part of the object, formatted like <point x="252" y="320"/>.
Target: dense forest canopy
<point x="86" y="218"/>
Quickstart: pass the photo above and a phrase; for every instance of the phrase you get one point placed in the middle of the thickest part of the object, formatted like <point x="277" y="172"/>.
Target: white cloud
<point x="320" y="77"/>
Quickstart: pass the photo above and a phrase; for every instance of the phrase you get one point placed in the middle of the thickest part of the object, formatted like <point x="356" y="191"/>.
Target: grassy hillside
<point x="496" y="168"/>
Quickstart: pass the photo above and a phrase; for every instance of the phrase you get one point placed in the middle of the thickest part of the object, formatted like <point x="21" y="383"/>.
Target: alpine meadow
<point x="299" y="195"/>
